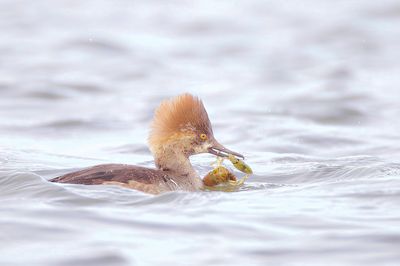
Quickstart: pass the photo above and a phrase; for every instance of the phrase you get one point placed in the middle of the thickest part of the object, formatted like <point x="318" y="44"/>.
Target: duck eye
<point x="203" y="136"/>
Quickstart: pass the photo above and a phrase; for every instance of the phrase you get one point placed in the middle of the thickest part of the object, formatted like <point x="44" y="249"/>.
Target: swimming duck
<point x="180" y="128"/>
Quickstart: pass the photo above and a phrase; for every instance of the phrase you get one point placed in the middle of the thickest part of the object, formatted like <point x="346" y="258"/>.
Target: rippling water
<point x="308" y="91"/>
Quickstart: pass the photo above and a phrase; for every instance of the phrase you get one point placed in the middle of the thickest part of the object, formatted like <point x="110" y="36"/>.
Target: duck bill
<point x="219" y="150"/>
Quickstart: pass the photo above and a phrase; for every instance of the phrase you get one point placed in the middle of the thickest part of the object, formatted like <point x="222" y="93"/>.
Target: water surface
<point x="308" y="91"/>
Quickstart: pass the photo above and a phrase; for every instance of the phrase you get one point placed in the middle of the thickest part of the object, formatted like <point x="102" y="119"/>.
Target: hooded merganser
<point x="180" y="128"/>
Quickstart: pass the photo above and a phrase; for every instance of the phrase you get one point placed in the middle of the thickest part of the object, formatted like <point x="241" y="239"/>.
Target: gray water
<point x="308" y="91"/>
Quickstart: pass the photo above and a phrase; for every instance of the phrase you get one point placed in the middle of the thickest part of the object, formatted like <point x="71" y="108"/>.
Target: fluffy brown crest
<point x="181" y="114"/>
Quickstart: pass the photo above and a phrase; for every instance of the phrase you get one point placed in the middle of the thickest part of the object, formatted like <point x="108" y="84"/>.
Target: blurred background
<point x="307" y="90"/>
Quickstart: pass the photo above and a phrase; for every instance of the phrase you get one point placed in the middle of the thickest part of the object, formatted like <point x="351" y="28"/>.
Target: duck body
<point x="180" y="128"/>
<point x="153" y="181"/>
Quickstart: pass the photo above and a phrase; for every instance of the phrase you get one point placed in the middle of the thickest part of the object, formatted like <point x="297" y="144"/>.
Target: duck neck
<point x="178" y="167"/>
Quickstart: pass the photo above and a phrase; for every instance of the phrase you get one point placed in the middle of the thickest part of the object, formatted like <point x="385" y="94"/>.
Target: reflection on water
<point x="307" y="91"/>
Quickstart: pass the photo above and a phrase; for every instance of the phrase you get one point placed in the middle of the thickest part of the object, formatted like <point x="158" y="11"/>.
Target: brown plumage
<point x="180" y="128"/>
<point x="130" y="176"/>
<point x="184" y="113"/>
